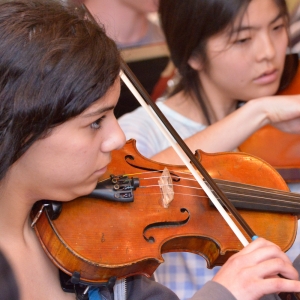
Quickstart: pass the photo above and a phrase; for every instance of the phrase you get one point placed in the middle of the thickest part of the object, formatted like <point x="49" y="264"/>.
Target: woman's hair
<point x="54" y="63"/>
<point x="8" y="285"/>
<point x="188" y="24"/>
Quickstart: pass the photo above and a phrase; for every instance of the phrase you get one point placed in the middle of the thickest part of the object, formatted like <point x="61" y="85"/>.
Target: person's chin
<point x="266" y="90"/>
<point x="100" y="172"/>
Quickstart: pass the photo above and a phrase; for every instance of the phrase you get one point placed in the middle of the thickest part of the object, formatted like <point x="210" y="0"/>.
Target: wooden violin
<point x="280" y="149"/>
<point x="123" y="227"/>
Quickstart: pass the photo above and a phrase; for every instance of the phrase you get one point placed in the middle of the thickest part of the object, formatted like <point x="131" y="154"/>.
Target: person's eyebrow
<point x="242" y="28"/>
<point x="98" y="111"/>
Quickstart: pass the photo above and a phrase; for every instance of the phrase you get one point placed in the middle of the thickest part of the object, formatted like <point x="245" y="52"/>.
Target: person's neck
<point x="122" y="23"/>
<point x="218" y="107"/>
<point x="218" y="104"/>
<point x="16" y="202"/>
<point x="185" y="105"/>
<point x="14" y="213"/>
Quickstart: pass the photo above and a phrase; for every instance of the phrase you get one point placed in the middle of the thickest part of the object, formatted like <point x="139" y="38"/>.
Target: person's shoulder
<point x="141" y="287"/>
<point x="213" y="291"/>
<point x="139" y="114"/>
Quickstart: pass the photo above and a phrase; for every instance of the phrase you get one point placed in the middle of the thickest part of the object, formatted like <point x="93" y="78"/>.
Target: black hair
<point x="8" y="285"/>
<point x="54" y="63"/>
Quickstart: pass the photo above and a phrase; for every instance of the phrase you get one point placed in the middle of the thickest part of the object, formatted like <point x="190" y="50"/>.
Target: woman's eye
<point x="279" y="27"/>
<point x="242" y="40"/>
<point x="241" y="37"/>
<point x="97" y="123"/>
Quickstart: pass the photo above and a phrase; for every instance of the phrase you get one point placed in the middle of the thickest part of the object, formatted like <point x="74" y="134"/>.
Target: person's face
<point x="143" y="6"/>
<point x="250" y="64"/>
<point x="67" y="163"/>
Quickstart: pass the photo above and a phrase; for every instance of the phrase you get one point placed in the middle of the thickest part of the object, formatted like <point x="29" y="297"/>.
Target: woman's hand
<point x="253" y="272"/>
<point x="283" y="112"/>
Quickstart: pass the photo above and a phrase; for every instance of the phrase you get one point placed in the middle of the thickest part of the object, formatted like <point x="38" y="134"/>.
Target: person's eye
<point x="242" y="40"/>
<point x="97" y="124"/>
<point x="278" y="27"/>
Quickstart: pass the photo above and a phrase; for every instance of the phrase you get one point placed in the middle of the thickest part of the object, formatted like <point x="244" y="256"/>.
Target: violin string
<point x="204" y="196"/>
<point x="270" y="194"/>
<point x="227" y="183"/>
<point x="284" y="202"/>
<point x="267" y="205"/>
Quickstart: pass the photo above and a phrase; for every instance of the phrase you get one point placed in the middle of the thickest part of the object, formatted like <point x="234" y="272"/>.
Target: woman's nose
<point x="266" y="48"/>
<point x="121" y="137"/>
<point x="115" y="138"/>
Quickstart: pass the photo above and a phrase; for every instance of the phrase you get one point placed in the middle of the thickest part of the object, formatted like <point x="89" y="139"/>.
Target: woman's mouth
<point x="267" y="77"/>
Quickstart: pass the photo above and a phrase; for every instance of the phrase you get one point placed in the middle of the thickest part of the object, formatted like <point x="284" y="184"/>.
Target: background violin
<point x="123" y="227"/>
<point x="280" y="149"/>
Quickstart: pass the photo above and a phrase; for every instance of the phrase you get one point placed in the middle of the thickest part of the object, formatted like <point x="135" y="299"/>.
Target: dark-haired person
<point x="59" y="84"/>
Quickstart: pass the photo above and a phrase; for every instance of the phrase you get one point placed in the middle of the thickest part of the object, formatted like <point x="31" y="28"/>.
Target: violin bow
<point x="184" y="152"/>
<point x="186" y="155"/>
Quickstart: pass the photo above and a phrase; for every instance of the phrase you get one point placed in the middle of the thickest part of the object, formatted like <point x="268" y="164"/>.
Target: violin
<point x="124" y="226"/>
<point x="280" y="149"/>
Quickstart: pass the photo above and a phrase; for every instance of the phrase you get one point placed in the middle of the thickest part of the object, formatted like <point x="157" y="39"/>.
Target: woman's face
<point x="67" y="163"/>
<point x="248" y="65"/>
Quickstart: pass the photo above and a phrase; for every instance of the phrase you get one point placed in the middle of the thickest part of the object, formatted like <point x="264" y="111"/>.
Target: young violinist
<point x="59" y="85"/>
<point x="226" y="52"/>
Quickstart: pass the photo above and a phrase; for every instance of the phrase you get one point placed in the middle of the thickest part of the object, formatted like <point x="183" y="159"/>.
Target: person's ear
<point x="195" y="63"/>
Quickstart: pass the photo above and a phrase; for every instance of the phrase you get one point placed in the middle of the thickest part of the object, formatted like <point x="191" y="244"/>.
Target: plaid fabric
<point x="295" y="249"/>
<point x="185" y="273"/>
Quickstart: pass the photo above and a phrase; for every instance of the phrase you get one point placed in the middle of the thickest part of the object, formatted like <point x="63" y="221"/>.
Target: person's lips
<point x="267" y="77"/>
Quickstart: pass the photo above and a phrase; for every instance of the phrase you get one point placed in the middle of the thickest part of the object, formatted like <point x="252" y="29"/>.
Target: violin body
<point x="101" y="239"/>
<point x="280" y="149"/>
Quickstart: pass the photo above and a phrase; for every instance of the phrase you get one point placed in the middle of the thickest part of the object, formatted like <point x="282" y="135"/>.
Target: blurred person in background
<point x="135" y="28"/>
<point x="128" y="22"/>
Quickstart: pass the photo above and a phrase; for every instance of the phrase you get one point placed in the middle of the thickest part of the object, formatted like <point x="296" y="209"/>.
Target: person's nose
<point x="266" y="48"/>
<point x="115" y="138"/>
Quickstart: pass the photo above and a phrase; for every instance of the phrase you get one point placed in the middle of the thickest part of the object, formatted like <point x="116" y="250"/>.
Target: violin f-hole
<point x="163" y="225"/>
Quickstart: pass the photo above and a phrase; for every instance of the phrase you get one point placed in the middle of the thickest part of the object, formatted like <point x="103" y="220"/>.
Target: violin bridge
<point x="166" y="188"/>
